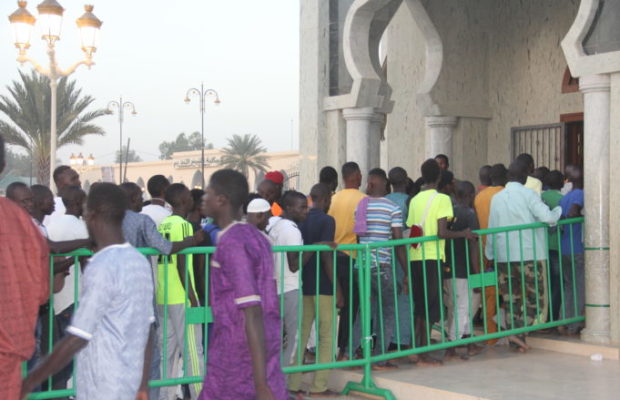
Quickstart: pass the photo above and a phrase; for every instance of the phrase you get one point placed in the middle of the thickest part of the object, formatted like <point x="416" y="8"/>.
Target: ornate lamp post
<point x="50" y="23"/>
<point x="121" y="106"/>
<point x="202" y="96"/>
<point x="80" y="162"/>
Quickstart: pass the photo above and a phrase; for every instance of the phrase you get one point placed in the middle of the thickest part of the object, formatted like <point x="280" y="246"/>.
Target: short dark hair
<point x="554" y="180"/>
<point x="447" y="178"/>
<point x="518" y="171"/>
<point x="350" y="168"/>
<point x="130" y="188"/>
<point x="444" y="158"/>
<point x="38" y="191"/>
<point x="290" y="196"/>
<point x="13" y="187"/>
<point x="378" y="172"/>
<point x="109" y="201"/>
<point x="251" y="197"/>
<point x="464" y="189"/>
<point x="59" y="171"/>
<point x="157" y="185"/>
<point x="231" y="184"/>
<point x="527" y="159"/>
<point x="328" y="175"/>
<point x="197" y="197"/>
<point x="70" y="194"/>
<point x="430" y="171"/>
<point x="498" y="174"/>
<point x="319" y="191"/>
<point x="485" y="175"/>
<point x="173" y="193"/>
<point x="397" y="176"/>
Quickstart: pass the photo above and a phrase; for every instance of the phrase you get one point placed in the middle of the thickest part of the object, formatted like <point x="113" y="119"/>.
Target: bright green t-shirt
<point x="440" y="207"/>
<point x="174" y="229"/>
<point x="552" y="199"/>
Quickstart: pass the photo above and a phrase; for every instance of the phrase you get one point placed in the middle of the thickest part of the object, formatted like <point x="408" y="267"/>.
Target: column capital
<point x="361" y="113"/>
<point x="441" y="121"/>
<point x="594" y="83"/>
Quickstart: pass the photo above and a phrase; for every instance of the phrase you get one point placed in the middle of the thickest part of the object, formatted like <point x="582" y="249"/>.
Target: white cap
<point x="258" y="206"/>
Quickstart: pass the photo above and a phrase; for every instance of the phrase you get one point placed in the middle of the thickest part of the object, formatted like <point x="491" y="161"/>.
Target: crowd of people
<point x="125" y="298"/>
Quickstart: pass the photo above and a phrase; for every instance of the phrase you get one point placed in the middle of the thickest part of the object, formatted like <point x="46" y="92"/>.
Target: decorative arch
<point x="364" y="27"/>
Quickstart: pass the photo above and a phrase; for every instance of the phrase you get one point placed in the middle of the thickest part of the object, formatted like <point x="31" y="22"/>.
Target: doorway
<point x="573" y="149"/>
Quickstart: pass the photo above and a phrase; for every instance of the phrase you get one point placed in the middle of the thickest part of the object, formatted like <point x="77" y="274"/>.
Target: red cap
<point x="275" y="177"/>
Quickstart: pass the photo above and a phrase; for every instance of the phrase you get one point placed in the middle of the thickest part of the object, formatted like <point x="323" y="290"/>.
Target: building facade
<point x="393" y="82"/>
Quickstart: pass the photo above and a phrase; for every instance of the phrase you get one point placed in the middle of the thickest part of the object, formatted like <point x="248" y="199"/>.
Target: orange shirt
<point x="276" y="210"/>
<point x="24" y="279"/>
<point x="482" y="204"/>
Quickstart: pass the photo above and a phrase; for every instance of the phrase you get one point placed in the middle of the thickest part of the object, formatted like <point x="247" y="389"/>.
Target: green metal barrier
<point x="377" y="302"/>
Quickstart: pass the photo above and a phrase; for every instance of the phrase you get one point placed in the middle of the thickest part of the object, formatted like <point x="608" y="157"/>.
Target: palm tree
<point x="28" y="108"/>
<point x="243" y="154"/>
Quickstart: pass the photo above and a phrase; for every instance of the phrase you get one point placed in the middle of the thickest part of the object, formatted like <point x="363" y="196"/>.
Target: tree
<point x="28" y="111"/>
<point x="131" y="157"/>
<point x="17" y="164"/>
<point x="243" y="154"/>
<point x="181" y="143"/>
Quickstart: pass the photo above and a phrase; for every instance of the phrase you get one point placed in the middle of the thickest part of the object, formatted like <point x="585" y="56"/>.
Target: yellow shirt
<point x="342" y="210"/>
<point x="441" y="207"/>
<point x="534" y="183"/>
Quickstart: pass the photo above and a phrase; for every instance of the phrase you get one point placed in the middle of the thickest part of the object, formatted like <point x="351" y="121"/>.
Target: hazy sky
<point x="151" y="52"/>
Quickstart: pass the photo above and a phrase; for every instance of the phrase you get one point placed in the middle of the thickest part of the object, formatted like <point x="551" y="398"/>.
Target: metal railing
<point x="515" y="297"/>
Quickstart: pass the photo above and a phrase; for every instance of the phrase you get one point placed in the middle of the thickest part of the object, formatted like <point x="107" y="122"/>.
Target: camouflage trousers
<point x="524" y="291"/>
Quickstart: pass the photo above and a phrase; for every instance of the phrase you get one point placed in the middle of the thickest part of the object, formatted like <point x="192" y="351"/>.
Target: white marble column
<point x="596" y="99"/>
<point x="614" y="213"/>
<point x="363" y="137"/>
<point x="439" y="132"/>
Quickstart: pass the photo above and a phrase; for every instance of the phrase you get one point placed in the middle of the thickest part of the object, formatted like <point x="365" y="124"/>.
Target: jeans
<point x="405" y="312"/>
<point x="382" y="291"/>
<point x="347" y="276"/>
<point x="289" y="350"/>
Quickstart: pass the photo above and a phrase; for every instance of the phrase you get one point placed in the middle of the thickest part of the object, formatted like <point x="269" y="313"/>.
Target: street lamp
<point x="50" y="23"/>
<point x="80" y="162"/>
<point x="202" y="96"/>
<point x="121" y="106"/>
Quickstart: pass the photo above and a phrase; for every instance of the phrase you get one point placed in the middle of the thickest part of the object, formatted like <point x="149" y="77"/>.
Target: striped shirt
<point x="381" y="216"/>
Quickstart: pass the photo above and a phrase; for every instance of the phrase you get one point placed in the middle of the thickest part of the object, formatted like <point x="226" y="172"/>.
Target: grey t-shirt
<point x="114" y="315"/>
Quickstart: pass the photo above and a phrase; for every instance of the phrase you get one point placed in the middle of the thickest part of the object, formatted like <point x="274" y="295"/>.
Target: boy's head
<point x="328" y="176"/>
<point x="528" y="160"/>
<point x="65" y="176"/>
<point x="295" y="206"/>
<point x="446" y="182"/>
<point x="21" y="194"/>
<point x="541" y="173"/>
<point x="398" y="179"/>
<point x="73" y="198"/>
<point x="554" y="180"/>
<point x="258" y="212"/>
<point x="179" y="198"/>
<point x="105" y="208"/>
<point x="412" y="187"/>
<point x="430" y="172"/>
<point x="42" y="199"/>
<point x="269" y="191"/>
<point x="157" y="186"/>
<point x="197" y="199"/>
<point x="573" y="174"/>
<point x="464" y="193"/>
<point x="351" y="175"/>
<point x="443" y="161"/>
<point x="518" y="171"/>
<point x="377" y="184"/>
<point x="134" y="196"/>
<point x="321" y="196"/>
<point x="499" y="175"/>
<point x="485" y="175"/>
<point x="225" y="194"/>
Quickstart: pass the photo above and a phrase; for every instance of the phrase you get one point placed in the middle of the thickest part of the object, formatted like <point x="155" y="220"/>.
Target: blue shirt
<point x="575" y="196"/>
<point x="114" y="315"/>
<point x="140" y="231"/>
<point x="318" y="227"/>
<point x="401" y="200"/>
<point x="518" y="205"/>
